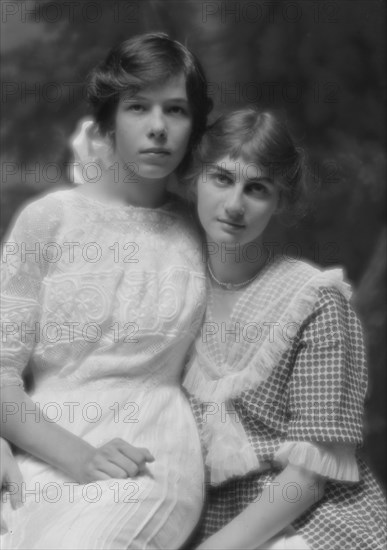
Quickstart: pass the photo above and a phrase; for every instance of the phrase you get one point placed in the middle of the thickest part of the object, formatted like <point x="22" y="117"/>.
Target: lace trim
<point x="333" y="461"/>
<point x="200" y="379"/>
<point x="229" y="451"/>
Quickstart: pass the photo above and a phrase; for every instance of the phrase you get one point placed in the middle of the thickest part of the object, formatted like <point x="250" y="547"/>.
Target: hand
<point x="10" y="478"/>
<point x="115" y="459"/>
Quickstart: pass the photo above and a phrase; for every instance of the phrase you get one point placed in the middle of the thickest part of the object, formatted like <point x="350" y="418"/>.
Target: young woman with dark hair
<point x="115" y="295"/>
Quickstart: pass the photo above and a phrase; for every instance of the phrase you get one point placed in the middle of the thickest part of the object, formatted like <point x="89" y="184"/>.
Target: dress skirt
<point x="157" y="509"/>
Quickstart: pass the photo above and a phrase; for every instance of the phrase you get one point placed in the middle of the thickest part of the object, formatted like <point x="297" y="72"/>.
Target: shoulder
<point x="52" y="200"/>
<point x="308" y="293"/>
<point x="42" y="215"/>
<point x="329" y="295"/>
<point x="308" y="277"/>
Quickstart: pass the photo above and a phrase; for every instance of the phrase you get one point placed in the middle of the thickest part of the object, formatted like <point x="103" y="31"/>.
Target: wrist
<point x="75" y="458"/>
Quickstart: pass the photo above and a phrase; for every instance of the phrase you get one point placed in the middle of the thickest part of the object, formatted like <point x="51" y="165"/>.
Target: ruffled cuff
<point x="229" y="457"/>
<point x="229" y="452"/>
<point x="334" y="461"/>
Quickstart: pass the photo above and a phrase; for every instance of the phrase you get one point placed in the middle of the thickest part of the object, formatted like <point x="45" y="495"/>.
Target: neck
<point x="128" y="189"/>
<point x="236" y="264"/>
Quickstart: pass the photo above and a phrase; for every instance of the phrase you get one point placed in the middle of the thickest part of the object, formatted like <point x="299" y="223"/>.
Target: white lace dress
<point x="103" y="302"/>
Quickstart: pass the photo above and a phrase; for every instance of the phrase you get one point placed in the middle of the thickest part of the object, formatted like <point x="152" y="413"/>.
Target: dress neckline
<point x="221" y="353"/>
<point x="167" y="204"/>
<point x="244" y="293"/>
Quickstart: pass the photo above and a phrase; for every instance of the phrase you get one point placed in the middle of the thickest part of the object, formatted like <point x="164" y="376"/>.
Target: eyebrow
<point x="221" y="168"/>
<point x="266" y="179"/>
<point x="168" y="100"/>
<point x="231" y="173"/>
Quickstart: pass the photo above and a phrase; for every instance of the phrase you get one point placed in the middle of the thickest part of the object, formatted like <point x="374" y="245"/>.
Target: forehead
<point x="173" y="88"/>
<point x="249" y="167"/>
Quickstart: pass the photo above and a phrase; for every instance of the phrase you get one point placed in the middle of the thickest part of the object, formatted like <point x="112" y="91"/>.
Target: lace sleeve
<point x="22" y="271"/>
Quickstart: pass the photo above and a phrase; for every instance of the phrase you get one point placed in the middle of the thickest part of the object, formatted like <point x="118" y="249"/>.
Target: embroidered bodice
<point x="96" y="292"/>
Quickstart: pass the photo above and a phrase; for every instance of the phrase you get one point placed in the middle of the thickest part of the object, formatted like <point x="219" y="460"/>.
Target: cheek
<point x="266" y="218"/>
<point x="200" y="206"/>
<point x="124" y="139"/>
<point x="184" y="132"/>
<point x="202" y="203"/>
<point x="264" y="214"/>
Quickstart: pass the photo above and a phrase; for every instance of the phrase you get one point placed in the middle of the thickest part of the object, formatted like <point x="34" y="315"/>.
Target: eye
<point x="221" y="178"/>
<point x="177" y="110"/>
<point x="135" y="108"/>
<point x="257" y="189"/>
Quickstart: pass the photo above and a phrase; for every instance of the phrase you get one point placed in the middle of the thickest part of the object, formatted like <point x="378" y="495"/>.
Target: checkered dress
<point x="314" y="393"/>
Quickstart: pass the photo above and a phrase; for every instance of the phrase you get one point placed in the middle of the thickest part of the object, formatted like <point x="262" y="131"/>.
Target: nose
<point x="157" y="125"/>
<point x="234" y="206"/>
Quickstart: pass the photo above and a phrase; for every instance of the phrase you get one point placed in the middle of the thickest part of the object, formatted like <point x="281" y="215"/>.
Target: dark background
<point x="319" y="62"/>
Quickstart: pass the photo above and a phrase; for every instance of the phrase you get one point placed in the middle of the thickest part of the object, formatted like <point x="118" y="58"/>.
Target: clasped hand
<point x="115" y="459"/>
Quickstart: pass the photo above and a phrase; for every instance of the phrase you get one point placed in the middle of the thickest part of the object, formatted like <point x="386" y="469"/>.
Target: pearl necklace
<point x="230" y="286"/>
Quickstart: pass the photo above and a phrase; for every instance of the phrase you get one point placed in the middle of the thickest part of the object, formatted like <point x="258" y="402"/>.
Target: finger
<point x="138" y="455"/>
<point x="148" y="455"/>
<point x="119" y="459"/>
<point x="113" y="470"/>
<point x="146" y="471"/>
<point x="143" y="468"/>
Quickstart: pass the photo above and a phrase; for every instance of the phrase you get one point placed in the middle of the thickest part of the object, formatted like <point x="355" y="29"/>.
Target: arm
<point x="21" y="306"/>
<point x="61" y="449"/>
<point x="43" y="439"/>
<point x="291" y="493"/>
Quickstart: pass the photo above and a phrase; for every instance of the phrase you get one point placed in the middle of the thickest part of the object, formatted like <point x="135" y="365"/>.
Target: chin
<point x="154" y="173"/>
<point x="225" y="238"/>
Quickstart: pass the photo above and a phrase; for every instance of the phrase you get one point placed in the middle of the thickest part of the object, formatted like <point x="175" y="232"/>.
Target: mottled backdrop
<point x="320" y="62"/>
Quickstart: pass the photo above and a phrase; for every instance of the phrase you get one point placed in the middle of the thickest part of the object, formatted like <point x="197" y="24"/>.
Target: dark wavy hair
<point x="261" y="137"/>
<point x="142" y="61"/>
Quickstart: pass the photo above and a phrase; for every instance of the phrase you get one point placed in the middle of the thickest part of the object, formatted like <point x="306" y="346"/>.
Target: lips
<point x="231" y="223"/>
<point x="155" y="151"/>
